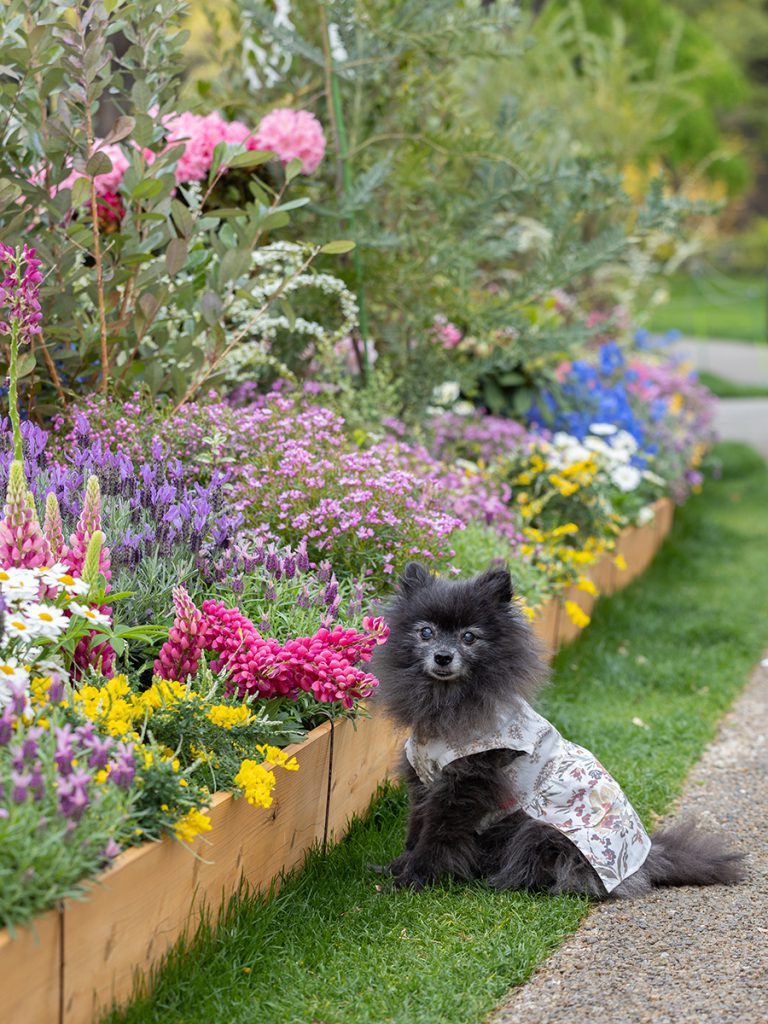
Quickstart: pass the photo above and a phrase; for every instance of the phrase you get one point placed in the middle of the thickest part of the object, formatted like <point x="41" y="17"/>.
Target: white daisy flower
<point x="626" y="478"/>
<point x="602" y="429"/>
<point x="92" y="614"/>
<point x="16" y="625"/>
<point x="625" y="440"/>
<point x="19" y="584"/>
<point x="73" y="586"/>
<point x="11" y="673"/>
<point x="45" y="620"/>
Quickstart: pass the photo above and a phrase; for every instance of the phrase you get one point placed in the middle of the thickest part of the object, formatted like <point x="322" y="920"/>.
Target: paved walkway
<point x="679" y="956"/>
<point x="736" y="419"/>
<point x="735" y="360"/>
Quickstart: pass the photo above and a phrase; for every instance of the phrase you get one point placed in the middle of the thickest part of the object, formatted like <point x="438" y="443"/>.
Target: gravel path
<point x="679" y="956"/>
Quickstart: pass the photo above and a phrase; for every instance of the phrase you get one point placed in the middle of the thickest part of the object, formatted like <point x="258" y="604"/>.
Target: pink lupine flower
<point x="292" y="134"/>
<point x="324" y="664"/>
<point x="180" y="655"/>
<point x="249" y="660"/>
<point x="88" y="523"/>
<point x="22" y="542"/>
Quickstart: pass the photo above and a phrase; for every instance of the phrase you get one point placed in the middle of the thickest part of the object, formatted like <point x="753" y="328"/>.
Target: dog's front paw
<point x="410" y="874"/>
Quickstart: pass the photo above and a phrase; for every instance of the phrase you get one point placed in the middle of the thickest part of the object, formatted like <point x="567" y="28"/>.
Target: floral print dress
<point x="556" y="782"/>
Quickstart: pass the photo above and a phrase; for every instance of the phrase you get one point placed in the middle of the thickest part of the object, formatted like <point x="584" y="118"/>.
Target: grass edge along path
<point x="644" y="688"/>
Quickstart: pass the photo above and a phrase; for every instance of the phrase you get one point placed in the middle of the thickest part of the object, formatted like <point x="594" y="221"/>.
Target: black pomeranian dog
<point x="495" y="791"/>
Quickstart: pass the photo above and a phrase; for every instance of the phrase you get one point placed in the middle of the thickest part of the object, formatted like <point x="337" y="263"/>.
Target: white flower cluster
<point x="33" y="610"/>
<point x="613" y="450"/>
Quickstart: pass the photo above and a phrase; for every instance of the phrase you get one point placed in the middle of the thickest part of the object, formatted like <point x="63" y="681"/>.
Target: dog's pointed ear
<point x="497" y="583"/>
<point x="414" y="577"/>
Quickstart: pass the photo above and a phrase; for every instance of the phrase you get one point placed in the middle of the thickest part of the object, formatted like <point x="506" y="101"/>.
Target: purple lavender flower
<point x="20" y="783"/>
<point x="6" y="726"/>
<point x="73" y="795"/>
<point x="123" y="768"/>
<point x="64" y="754"/>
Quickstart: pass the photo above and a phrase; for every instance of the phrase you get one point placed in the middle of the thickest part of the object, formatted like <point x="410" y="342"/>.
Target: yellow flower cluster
<point x="162" y="693"/>
<point x="192" y="824"/>
<point x="278" y="758"/>
<point x="113" y="705"/>
<point x="577" y="616"/>
<point x="256" y="782"/>
<point x="227" y="717"/>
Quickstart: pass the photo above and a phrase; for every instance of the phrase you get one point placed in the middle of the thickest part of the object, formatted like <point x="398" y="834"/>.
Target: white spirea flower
<point x="446" y="393"/>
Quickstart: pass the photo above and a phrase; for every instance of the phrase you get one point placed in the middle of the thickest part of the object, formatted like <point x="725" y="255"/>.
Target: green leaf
<point x="182" y="218"/>
<point x="98" y="164"/>
<point x="147" y="188"/>
<point x="9" y="192"/>
<point x="225" y="212"/>
<point x="337" y="248"/>
<point x="176" y="255"/>
<point x="25" y="365"/>
<point x="81" y="192"/>
<point x="218" y="153"/>
<point x="210" y="307"/>
<point x="252" y="158"/>
<point x="293" y="168"/>
<point x="121" y="129"/>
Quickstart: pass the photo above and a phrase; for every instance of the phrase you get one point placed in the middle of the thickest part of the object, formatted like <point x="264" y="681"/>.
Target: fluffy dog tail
<point x="684" y="855"/>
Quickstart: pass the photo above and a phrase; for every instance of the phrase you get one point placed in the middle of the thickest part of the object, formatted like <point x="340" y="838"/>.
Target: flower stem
<point x="13" y="401"/>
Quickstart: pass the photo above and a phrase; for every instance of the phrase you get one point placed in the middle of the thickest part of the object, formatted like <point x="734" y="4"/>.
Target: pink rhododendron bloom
<point x="292" y="134"/>
<point x="200" y="135"/>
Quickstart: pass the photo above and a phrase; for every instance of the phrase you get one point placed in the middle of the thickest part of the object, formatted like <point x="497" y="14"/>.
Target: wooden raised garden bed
<point x="73" y="962"/>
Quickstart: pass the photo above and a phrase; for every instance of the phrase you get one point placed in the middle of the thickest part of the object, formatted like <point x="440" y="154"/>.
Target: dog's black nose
<point x="444" y="659"/>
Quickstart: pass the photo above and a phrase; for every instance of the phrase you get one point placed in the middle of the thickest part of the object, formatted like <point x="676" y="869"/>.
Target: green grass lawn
<point x="671" y="651"/>
<point x="730" y="389"/>
<point x="714" y="306"/>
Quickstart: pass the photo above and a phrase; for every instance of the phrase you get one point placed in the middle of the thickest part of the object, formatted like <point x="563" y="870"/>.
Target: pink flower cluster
<point x="293" y="135"/>
<point x="24" y="545"/>
<point x="201" y="134"/>
<point x="448" y="334"/>
<point x="20" y="292"/>
<point x="325" y="664"/>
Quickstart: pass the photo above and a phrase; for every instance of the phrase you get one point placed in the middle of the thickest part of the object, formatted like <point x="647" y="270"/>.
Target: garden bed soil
<point x="74" y="962"/>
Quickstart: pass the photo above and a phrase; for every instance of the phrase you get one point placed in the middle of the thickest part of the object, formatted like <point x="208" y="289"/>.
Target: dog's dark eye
<point x="426" y="633"/>
<point x="468" y="638"/>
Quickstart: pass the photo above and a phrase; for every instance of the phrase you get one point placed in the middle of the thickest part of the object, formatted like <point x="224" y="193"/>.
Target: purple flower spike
<point x="111" y="850"/>
<point x="37" y="781"/>
<point x="100" y="750"/>
<point x="20" y="783"/>
<point x="6" y="726"/>
<point x="73" y="795"/>
<point x="123" y="769"/>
